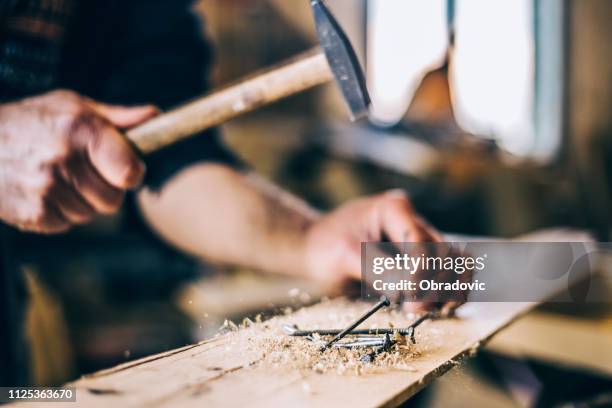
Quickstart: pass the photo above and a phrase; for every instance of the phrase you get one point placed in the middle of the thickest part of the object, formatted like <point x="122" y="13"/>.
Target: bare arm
<point x="225" y="216"/>
<point x="228" y="217"/>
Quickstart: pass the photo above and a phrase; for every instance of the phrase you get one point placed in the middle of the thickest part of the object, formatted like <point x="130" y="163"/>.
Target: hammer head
<point x="342" y="60"/>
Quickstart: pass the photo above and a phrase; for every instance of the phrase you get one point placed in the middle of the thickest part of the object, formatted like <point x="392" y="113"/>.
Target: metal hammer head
<point x="342" y="60"/>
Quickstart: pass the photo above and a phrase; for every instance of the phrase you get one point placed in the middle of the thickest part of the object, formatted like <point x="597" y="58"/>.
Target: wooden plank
<point x="229" y="371"/>
<point x="259" y="366"/>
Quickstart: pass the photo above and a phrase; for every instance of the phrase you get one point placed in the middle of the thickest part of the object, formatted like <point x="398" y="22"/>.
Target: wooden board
<point x="223" y="372"/>
<point x="236" y="369"/>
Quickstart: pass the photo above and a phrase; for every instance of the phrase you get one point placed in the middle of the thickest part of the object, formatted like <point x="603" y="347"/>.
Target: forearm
<point x="228" y="217"/>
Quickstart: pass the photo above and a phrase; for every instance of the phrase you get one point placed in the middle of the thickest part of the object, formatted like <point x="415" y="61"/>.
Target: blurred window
<point x="506" y="69"/>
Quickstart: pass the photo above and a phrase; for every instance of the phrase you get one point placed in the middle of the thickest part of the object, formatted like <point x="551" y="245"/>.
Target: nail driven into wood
<point x="384" y="301"/>
<point x="417" y="322"/>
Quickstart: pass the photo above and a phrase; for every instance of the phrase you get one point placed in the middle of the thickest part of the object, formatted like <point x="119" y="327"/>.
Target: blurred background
<point x="493" y="114"/>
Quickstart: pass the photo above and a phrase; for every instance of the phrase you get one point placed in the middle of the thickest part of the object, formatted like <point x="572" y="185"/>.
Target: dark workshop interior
<point x="493" y="116"/>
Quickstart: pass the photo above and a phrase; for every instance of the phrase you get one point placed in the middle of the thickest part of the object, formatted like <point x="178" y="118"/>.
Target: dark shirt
<point x="117" y="51"/>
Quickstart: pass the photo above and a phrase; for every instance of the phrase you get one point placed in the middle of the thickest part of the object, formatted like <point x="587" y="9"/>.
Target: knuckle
<point x="39" y="213"/>
<point x="65" y="94"/>
<point x="44" y="184"/>
<point x="398" y="205"/>
<point x="386" y="206"/>
<point x="71" y="118"/>
<point x="59" y="152"/>
<point x="37" y="216"/>
<point x="75" y="124"/>
<point x="397" y="193"/>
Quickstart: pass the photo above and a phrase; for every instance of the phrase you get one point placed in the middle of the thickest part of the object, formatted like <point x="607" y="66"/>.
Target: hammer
<point x="335" y="60"/>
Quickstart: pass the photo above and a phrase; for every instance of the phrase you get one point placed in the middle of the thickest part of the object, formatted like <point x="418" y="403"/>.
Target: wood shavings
<point x="228" y="326"/>
<point x="254" y="373"/>
<point x="281" y="351"/>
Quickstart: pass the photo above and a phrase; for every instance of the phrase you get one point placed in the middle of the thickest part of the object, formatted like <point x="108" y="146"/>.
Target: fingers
<point x="448" y="309"/>
<point x="122" y="116"/>
<point x="114" y="159"/>
<point x="93" y="180"/>
<point x="442" y="309"/>
<point x="70" y="203"/>
<point x="54" y="223"/>
<point x="400" y="222"/>
<point x="96" y="192"/>
<point x="419" y="307"/>
<point x="434" y="234"/>
<point x="77" y="162"/>
<point x="352" y="263"/>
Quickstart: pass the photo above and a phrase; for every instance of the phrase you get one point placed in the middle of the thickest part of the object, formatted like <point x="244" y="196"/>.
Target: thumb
<point x="123" y="116"/>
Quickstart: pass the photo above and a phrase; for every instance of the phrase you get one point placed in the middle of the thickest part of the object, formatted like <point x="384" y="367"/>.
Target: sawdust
<point x="278" y="350"/>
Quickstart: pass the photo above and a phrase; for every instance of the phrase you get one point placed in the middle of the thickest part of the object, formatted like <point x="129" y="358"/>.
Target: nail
<point x="368" y="358"/>
<point x="417" y="322"/>
<point x="361" y="343"/>
<point x="383" y="302"/>
<point x="360" y="337"/>
<point x="293" y="330"/>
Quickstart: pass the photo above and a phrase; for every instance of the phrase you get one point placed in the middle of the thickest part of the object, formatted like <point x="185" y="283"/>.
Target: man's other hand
<point x="333" y="251"/>
<point x="63" y="160"/>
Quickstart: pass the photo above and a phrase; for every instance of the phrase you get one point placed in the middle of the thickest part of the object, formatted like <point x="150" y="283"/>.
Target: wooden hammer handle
<point x="300" y="73"/>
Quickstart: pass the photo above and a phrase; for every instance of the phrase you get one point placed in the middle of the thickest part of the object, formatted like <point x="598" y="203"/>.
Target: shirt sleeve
<point x="157" y="53"/>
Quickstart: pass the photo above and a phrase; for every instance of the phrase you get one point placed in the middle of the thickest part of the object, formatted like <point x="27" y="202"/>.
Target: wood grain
<point x="303" y="72"/>
<point x="229" y="371"/>
<point x="221" y="373"/>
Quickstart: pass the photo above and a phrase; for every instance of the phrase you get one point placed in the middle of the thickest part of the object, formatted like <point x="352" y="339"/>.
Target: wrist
<point x="294" y="252"/>
<point x="318" y="245"/>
